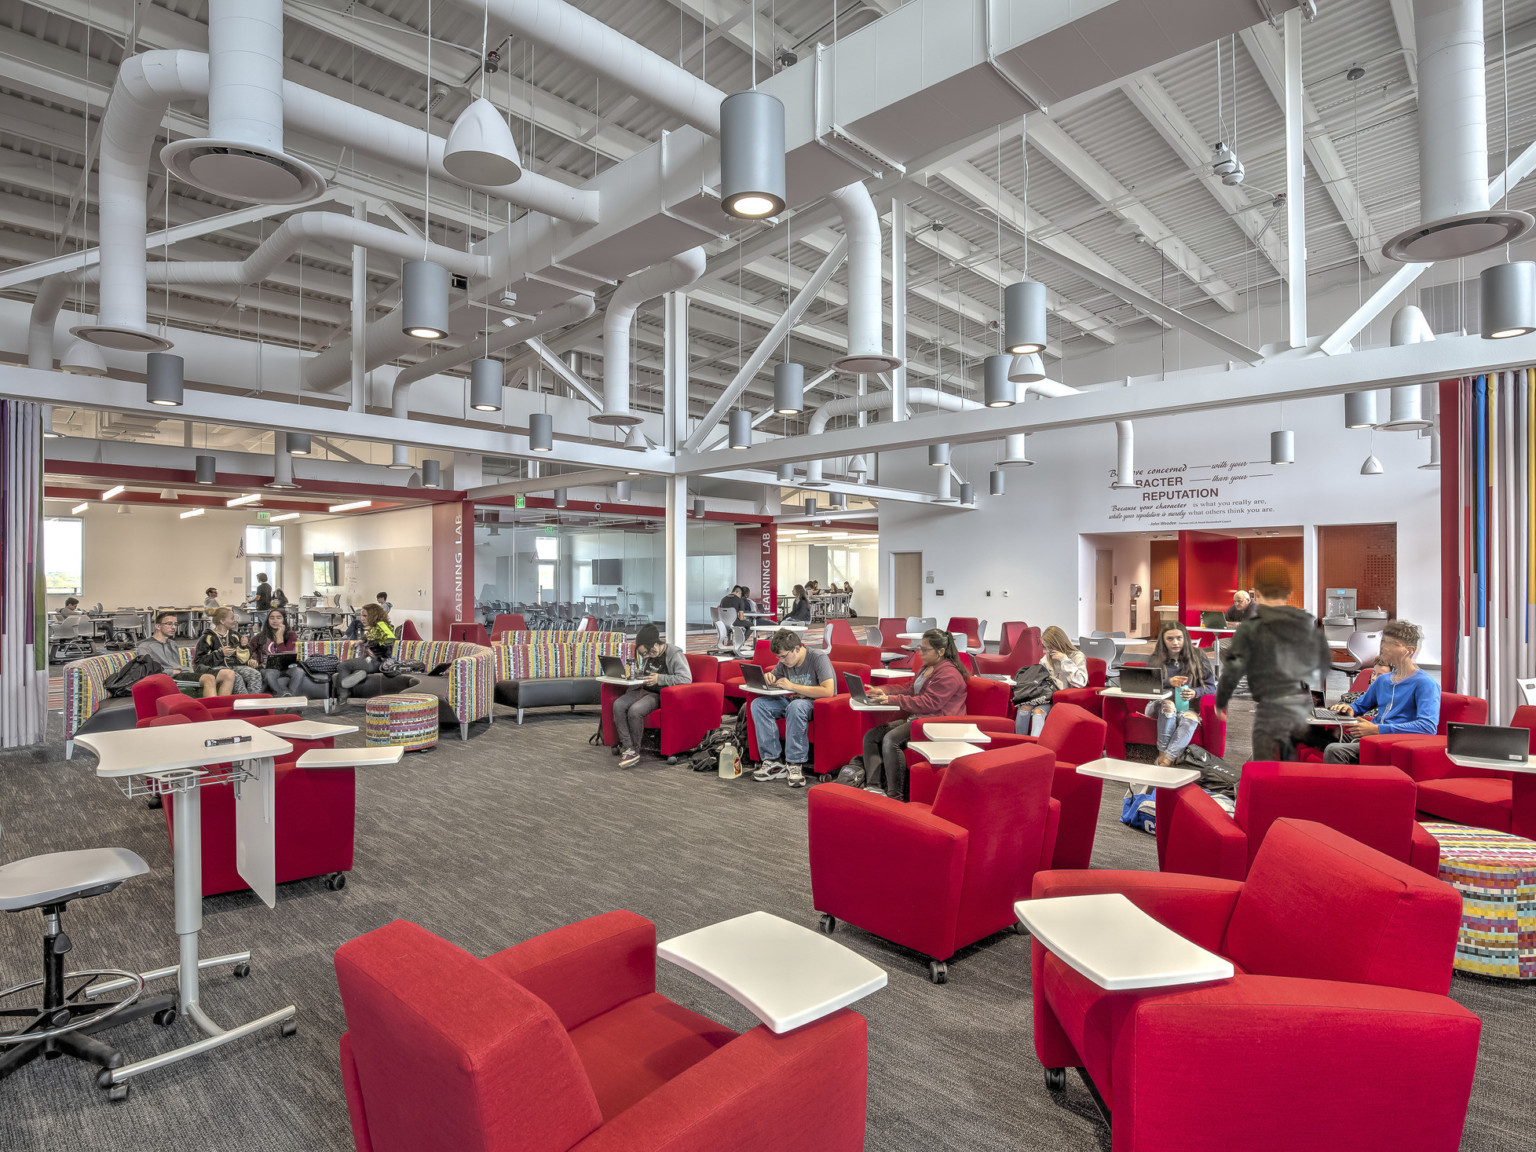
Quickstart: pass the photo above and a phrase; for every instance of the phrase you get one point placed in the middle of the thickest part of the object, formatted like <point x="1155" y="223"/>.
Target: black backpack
<point x="121" y="682"/>
<point x="1216" y="775"/>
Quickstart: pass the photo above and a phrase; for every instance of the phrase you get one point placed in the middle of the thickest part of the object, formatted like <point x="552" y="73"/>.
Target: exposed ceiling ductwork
<point x="679" y="272"/>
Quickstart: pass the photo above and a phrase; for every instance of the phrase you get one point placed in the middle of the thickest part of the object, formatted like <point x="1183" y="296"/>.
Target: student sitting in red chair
<point x="661" y="665"/>
<point x="807" y="676"/>
<point x="938" y="690"/>
<point x="1408" y="701"/>
<point x="1190" y="675"/>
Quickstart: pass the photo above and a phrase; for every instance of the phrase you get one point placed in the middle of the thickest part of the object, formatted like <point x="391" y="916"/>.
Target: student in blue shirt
<point x="1406" y="701"/>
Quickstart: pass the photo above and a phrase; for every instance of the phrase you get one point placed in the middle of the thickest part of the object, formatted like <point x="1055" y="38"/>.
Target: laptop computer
<point x="861" y="702"/>
<point x="1213" y="620"/>
<point x="1487" y="746"/>
<point x="1142" y="681"/>
<point x="613" y="668"/>
<point x="754" y="678"/>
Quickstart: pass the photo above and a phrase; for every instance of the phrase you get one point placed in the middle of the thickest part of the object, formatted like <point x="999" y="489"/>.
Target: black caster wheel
<point x="118" y="1093"/>
<point x="241" y="971"/>
<point x="827" y="923"/>
<point x="154" y="802"/>
<point x="671" y="759"/>
<point x="336" y="881"/>
<point x="165" y="1017"/>
<point x="1018" y="929"/>
<point x="1056" y="1079"/>
<point x="938" y="972"/>
<point x="289" y="1028"/>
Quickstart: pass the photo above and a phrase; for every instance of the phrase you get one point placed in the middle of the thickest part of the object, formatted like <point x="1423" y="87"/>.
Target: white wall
<point x="153" y="558"/>
<point x="381" y="551"/>
<point x="1029" y="551"/>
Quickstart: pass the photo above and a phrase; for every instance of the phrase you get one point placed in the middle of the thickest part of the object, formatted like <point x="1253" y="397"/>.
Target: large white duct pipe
<point x="615" y="58"/>
<point x="1454" y="216"/>
<point x="872" y="402"/>
<point x="1125" y="433"/>
<point x="561" y="315"/>
<point x="678" y="272"/>
<point x="866" y="294"/>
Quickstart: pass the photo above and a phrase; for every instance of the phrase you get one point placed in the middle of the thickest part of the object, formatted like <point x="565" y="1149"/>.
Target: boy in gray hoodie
<point x="660" y="666"/>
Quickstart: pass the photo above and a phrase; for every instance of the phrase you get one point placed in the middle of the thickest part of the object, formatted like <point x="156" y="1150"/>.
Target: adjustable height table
<point x="178" y="760"/>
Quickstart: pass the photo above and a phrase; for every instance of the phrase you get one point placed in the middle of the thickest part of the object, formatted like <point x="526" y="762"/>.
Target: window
<point x="263" y="541"/>
<point x="63" y="555"/>
<point x="546" y="547"/>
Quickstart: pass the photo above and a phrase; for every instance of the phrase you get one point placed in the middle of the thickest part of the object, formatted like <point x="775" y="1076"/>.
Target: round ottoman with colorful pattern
<point x="1496" y="876"/>
<point x="405" y="718"/>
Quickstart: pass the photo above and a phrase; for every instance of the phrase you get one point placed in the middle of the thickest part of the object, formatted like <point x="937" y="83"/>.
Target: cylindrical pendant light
<point x="752" y="155"/>
<point x="741" y="429"/>
<point x="967" y="493"/>
<point x="698" y="508"/>
<point x="786" y="473"/>
<point x="621" y="492"/>
<point x="399" y="458"/>
<point x="810" y="506"/>
<point x="1434" y="452"/>
<point x="424" y="300"/>
<point x="485" y="379"/>
<point x="1359" y="409"/>
<point x="431" y="474"/>
<point x="1407" y="411"/>
<point x="559" y="497"/>
<point x="998" y="390"/>
<point x="1027" y="369"/>
<point x="938" y="455"/>
<point x="207" y="469"/>
<point x="788" y="389"/>
<point x="541" y="432"/>
<point x="998" y="481"/>
<point x="1508" y="299"/>
<point x="1282" y="447"/>
<point x="298" y="443"/>
<point x="1024" y="317"/>
<point x="163" y="378"/>
<point x="82" y="358"/>
<point x="1016" y="451"/>
<point x="837" y="500"/>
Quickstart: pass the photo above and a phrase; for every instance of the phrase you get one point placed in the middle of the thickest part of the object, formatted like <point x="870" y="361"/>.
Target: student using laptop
<point x="807" y="676"/>
<point x="1189" y="675"/>
<point x="938" y="690"/>
<point x="661" y="666"/>
<point x="1406" y="701"/>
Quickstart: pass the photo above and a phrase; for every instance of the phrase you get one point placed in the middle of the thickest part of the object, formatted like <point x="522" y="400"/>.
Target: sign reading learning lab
<point x="1211" y="495"/>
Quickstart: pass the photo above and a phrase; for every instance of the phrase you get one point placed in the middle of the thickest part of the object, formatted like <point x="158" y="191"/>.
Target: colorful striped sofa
<point x="464" y="692"/>
<point x="87" y="707"/>
<point x="549" y="669"/>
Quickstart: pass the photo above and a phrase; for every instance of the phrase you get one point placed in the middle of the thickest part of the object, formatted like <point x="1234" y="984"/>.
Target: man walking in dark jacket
<point x="1282" y="651"/>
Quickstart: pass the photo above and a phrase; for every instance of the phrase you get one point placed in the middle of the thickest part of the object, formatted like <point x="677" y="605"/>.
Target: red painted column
<point x="453" y="565"/>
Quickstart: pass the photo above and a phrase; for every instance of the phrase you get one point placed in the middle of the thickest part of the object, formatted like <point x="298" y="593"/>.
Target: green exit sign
<point x="549" y="529"/>
<point x="519" y="502"/>
<point x="260" y="515"/>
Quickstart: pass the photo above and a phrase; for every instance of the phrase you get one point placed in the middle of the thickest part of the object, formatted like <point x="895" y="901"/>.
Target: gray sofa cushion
<point x="549" y="693"/>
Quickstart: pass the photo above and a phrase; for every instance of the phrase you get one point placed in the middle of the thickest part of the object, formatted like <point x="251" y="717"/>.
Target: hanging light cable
<point x="1508" y="290"/>
<point x="1024" y="301"/>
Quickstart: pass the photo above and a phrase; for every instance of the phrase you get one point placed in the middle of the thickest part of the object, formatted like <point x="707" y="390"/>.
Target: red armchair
<point x="935" y="879"/>
<point x="1502" y="801"/>
<point x="1393" y="747"/>
<point x="1335" y="1033"/>
<point x="1025" y="650"/>
<point x="731" y="679"/>
<point x="688" y="712"/>
<point x="315" y="816"/>
<point x="507" y="622"/>
<point x="153" y="695"/>
<point x="966" y="630"/>
<point x="835" y="731"/>
<point x="1087" y="697"/>
<point x="567" y="1045"/>
<point x="469" y="632"/>
<point x="855" y="654"/>
<point x="1127" y="724"/>
<point x="839" y="632"/>
<point x="408" y="631"/>
<point x="1371" y="803"/>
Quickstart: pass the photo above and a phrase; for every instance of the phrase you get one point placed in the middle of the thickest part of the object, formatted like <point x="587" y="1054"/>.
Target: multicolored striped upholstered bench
<point x="1496" y="876"/>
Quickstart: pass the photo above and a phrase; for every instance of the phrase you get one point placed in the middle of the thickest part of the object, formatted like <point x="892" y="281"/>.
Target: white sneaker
<point x="797" y="775"/>
<point x="629" y="759"/>
<point x="771" y="770"/>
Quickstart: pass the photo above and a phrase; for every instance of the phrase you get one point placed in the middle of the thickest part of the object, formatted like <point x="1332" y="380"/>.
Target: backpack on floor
<point x="121" y="682"/>
<point x="1216" y="775"/>
<point x="1139" y="810"/>
<point x="706" y="758"/>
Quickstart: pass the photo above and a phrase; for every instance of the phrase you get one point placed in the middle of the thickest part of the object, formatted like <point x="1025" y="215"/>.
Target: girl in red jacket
<point x="938" y="690"/>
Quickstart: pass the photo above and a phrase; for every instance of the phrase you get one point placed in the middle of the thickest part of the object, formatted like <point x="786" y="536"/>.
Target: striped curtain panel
<point x="23" y="626"/>
<point x="1489" y="523"/>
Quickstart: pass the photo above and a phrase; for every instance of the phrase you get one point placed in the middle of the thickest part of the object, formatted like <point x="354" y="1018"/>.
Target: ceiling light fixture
<point x="1016" y="451"/>
<point x="968" y="494"/>
<point x="938" y="455"/>
<point x="1371" y="467"/>
<point x="1282" y="447"/>
<point x="298" y="443"/>
<point x="810" y="506"/>
<point x="1359" y="409"/>
<point x="560" y="498"/>
<point x="859" y="466"/>
<point x="191" y="512"/>
<point x="82" y="358"/>
<point x="698" y="508"/>
<point x="79" y="508"/>
<point x="741" y="429"/>
<point x="1508" y="293"/>
<point x="115" y="490"/>
<point x="424" y="300"/>
<point x="788" y="389"/>
<point x="431" y="474"/>
<point x="636" y="440"/>
<point x="1027" y="369"/>
<point x="786" y="474"/>
<point x="1024" y="317"/>
<point x="207" y="469"/>
<point x="752" y="183"/>
<point x="399" y="458"/>
<point x="485" y="381"/>
<point x="237" y="501"/>
<point x="163" y="379"/>
<point x="998" y="389"/>
<point x="541" y="432"/>
<point x="284" y="516"/>
<point x="480" y="148"/>
<point x="621" y="492"/>
<point x="351" y="506"/>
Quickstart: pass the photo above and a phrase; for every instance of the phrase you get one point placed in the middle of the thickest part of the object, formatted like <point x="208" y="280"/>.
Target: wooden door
<point x="1104" y="590"/>
<point x="906" y="583"/>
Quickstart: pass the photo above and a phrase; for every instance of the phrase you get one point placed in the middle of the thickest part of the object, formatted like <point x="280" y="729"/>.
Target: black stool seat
<point x="59" y="877"/>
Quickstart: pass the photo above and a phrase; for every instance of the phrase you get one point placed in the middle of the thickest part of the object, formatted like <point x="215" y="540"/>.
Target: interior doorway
<point x="906" y="583"/>
<point x="1104" y="590"/>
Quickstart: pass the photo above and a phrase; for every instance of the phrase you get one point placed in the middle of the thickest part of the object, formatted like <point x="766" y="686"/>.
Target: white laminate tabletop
<point x="1117" y="945"/>
<point x="1123" y="641"/>
<point x="756" y="691"/>
<point x="310" y="730"/>
<point x="793" y="627"/>
<point x="893" y="673"/>
<point x="274" y="702"/>
<point x="859" y="706"/>
<point x="351" y="757"/>
<point x="955" y="732"/>
<point x="910" y="635"/>
<point x="1123" y="695"/>
<point x="1486" y="763"/>
<point x="619" y="681"/>
<point x="942" y="752"/>
<point x="785" y="974"/>
<point x="139" y="751"/>
<point x="1146" y="775"/>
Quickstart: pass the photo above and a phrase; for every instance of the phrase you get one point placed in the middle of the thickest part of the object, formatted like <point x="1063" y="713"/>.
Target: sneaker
<point x="629" y="759"/>
<point x="797" y="775"/>
<point x="353" y="679"/>
<point x="771" y="770"/>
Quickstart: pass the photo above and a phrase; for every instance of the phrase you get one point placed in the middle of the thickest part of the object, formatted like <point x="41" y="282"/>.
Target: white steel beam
<point x="1295" y="186"/>
<point x="899" y="226"/>
<point x="1402" y="16"/>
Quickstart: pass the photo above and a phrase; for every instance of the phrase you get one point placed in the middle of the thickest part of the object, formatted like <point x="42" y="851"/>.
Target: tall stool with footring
<point x="62" y="1024"/>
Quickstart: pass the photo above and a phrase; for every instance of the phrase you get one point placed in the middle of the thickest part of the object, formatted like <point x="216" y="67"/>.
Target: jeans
<point x="629" y="713"/>
<point x="1277" y="724"/>
<point x="1029" y="722"/>
<point x="766" y="711"/>
<point x="885" y="758"/>
<point x="1174" y="729"/>
<point x="1342" y="753"/>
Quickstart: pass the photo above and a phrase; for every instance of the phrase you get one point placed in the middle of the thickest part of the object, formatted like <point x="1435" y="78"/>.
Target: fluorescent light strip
<point x="352" y="506"/>
<point x="248" y="498"/>
<point x="284" y="516"/>
<point x="79" y="508"/>
<point x="115" y="490"/>
<point x="191" y="513"/>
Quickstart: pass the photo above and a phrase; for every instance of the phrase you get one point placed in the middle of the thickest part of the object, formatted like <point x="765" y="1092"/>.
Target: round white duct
<point x="678" y="272"/>
<point x="861" y="224"/>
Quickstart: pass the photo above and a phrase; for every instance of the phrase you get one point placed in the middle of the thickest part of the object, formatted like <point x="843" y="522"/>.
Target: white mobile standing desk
<point x="175" y="759"/>
<point x="1117" y="945"/>
<point x="310" y="730"/>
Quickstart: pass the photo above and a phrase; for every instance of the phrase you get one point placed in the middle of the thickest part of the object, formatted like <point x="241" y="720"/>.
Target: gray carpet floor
<point x="518" y="831"/>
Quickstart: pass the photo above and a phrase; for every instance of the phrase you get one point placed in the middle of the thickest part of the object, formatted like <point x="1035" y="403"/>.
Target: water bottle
<point x="729" y="762"/>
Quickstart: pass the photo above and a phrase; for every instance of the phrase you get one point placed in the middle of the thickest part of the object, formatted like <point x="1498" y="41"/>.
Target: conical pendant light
<point x="636" y="440"/>
<point x="82" y="358"/>
<point x="1027" y="369"/>
<point x="858" y="466"/>
<point x="480" y="147"/>
<point x="1371" y="467"/>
